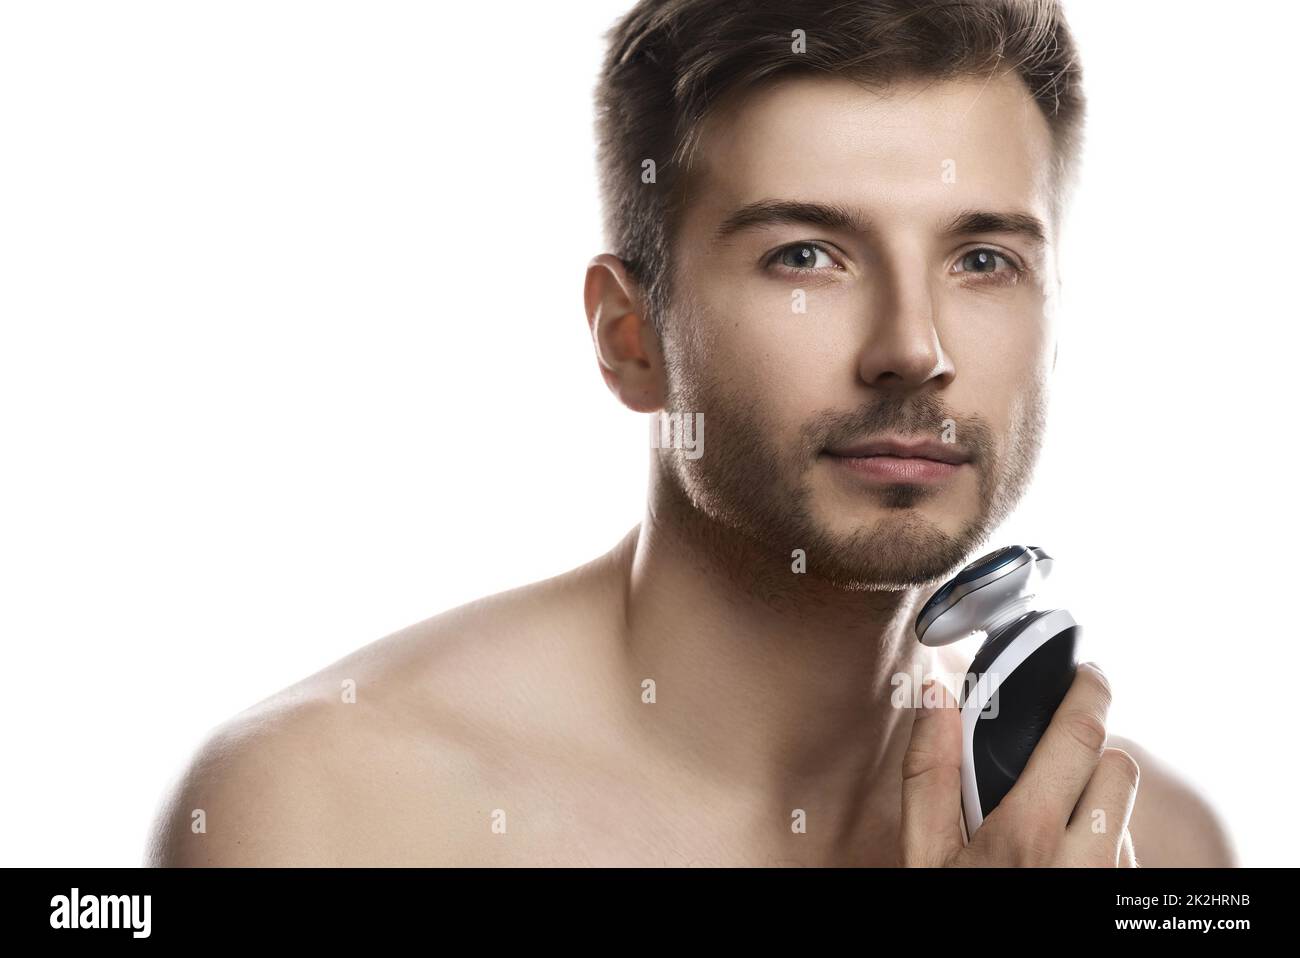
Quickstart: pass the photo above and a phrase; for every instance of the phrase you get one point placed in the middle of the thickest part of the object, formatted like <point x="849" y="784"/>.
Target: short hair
<point x="669" y="61"/>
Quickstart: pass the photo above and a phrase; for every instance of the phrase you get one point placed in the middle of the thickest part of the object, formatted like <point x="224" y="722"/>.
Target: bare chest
<point x="568" y="819"/>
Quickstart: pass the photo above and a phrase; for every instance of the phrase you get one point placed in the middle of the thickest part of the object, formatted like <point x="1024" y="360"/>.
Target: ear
<point x="627" y="348"/>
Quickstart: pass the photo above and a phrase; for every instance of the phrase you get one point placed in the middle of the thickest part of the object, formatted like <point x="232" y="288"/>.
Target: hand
<point x="1070" y="807"/>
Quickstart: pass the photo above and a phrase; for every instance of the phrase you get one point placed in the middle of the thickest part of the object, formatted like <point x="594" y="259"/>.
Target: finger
<point x="931" y="816"/>
<point x="1100" y="820"/>
<point x="1065" y="758"/>
<point x="1127" y="858"/>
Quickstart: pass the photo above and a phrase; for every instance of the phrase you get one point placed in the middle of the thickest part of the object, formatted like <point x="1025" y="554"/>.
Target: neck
<point x="768" y="682"/>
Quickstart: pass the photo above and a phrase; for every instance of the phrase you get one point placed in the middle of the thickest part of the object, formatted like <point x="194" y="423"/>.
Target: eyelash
<point x="1007" y="277"/>
<point x="774" y="261"/>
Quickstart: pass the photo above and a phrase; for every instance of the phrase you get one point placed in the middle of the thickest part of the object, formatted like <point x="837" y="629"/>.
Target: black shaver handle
<point x="1027" y="697"/>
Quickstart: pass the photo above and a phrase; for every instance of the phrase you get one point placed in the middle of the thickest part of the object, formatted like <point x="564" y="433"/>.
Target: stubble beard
<point x="747" y="500"/>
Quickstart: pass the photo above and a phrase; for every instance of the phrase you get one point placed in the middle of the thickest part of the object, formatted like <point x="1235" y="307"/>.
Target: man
<point x="835" y="230"/>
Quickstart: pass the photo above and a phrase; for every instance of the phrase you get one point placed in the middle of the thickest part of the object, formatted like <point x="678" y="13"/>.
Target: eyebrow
<point x="987" y="221"/>
<point x="837" y="217"/>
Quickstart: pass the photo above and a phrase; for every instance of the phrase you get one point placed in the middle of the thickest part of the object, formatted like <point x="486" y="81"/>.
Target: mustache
<point x="916" y="418"/>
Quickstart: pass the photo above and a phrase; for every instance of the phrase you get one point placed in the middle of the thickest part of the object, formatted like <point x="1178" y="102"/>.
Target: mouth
<point x="895" y="460"/>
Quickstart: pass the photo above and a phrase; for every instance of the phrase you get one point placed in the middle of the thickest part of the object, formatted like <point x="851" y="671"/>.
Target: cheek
<point x="1000" y="346"/>
<point x="764" y="361"/>
<point x="997" y="345"/>
<point x="999" y="327"/>
<point x="756" y="338"/>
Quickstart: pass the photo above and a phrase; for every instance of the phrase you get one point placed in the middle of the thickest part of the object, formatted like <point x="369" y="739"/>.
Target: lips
<point x="902" y="448"/>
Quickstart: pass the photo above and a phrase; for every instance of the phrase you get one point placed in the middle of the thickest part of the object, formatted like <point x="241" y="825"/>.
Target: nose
<point x="901" y="346"/>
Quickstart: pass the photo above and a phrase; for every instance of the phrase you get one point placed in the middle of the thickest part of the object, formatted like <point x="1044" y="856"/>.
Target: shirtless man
<point x="852" y="263"/>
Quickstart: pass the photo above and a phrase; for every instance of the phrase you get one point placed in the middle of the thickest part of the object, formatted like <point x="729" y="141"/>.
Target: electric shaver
<point x="1017" y="678"/>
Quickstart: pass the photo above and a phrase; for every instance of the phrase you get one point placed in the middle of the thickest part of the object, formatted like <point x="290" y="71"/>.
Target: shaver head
<point x="985" y="593"/>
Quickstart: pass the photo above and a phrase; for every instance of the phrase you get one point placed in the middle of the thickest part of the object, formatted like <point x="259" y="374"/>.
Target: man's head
<point x="849" y="234"/>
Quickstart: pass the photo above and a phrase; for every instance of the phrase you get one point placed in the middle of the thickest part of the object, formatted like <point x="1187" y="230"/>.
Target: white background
<point x="293" y="355"/>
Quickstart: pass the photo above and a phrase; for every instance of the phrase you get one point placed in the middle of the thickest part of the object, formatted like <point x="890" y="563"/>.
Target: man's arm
<point x="1173" y="825"/>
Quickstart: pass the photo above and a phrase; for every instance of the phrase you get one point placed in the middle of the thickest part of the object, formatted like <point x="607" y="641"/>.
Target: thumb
<point x="931" y="819"/>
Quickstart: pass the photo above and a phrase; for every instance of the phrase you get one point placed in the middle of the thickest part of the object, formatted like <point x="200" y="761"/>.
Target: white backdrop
<point x="292" y="354"/>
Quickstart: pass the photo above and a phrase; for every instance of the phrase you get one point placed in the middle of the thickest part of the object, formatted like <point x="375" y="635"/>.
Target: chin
<point x="894" y="548"/>
<point x="866" y="519"/>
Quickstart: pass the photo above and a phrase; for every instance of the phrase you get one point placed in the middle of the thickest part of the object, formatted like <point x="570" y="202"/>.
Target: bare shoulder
<point x="250" y="795"/>
<point x="395" y="754"/>
<point x="320" y="774"/>
<point x="1173" y="825"/>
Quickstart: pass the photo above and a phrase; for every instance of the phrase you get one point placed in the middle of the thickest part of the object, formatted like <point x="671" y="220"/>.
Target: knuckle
<point x="916" y="761"/>
<point x="1085" y="727"/>
<point x="1096" y="683"/>
<point x="938" y="781"/>
<point x="920" y="761"/>
<point x="1121" y="764"/>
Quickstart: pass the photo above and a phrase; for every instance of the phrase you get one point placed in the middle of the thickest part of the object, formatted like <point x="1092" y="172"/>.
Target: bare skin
<point x="522" y="703"/>
<point x="521" y="730"/>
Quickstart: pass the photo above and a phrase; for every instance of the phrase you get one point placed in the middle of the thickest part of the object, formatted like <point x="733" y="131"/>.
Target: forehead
<point x="914" y="148"/>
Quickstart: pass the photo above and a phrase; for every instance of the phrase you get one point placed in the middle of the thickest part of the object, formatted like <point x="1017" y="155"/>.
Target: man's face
<point x="919" y="320"/>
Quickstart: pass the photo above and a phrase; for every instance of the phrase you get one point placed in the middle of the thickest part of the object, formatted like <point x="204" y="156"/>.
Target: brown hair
<point x="670" y="61"/>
